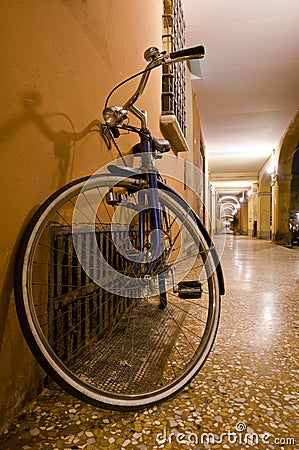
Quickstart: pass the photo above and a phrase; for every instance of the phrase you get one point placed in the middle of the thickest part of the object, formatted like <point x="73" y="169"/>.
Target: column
<point x="252" y="212"/>
<point x="281" y="189"/>
<point x="244" y="217"/>
<point x="264" y="215"/>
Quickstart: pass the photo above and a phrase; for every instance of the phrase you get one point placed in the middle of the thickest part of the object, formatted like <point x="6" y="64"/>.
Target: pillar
<point x="213" y="210"/>
<point x="264" y="215"/>
<point x="281" y="189"/>
<point x="244" y="218"/>
<point x="252" y="212"/>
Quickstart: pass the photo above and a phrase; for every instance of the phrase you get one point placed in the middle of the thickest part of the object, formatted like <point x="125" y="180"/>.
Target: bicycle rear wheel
<point x="108" y="324"/>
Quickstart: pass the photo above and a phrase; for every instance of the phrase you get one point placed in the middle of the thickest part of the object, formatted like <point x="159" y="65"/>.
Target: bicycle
<point x="117" y="282"/>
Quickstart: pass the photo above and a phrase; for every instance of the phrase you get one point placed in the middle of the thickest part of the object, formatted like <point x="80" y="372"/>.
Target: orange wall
<point x="58" y="61"/>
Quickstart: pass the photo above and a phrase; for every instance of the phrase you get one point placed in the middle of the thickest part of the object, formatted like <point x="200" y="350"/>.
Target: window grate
<point x="173" y="77"/>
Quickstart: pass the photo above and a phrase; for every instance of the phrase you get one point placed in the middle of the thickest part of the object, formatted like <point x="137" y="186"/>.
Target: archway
<point x="294" y="203"/>
<point x="229" y="207"/>
<point x="282" y="181"/>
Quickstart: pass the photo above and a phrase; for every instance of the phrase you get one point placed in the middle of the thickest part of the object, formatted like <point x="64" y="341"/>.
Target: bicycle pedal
<point x="189" y="289"/>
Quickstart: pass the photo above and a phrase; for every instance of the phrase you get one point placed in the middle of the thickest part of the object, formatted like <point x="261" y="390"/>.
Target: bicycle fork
<point x="153" y="204"/>
<point x="157" y="245"/>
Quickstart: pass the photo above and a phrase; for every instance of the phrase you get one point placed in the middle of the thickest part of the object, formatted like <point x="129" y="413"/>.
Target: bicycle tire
<point x="169" y="342"/>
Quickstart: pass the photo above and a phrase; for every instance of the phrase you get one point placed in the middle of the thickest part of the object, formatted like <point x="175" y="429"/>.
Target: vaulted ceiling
<point x="249" y="91"/>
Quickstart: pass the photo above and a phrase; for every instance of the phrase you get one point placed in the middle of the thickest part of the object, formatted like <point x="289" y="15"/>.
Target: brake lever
<point x="106" y="135"/>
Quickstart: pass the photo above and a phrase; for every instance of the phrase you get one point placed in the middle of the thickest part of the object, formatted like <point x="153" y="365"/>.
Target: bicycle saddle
<point x="160" y="145"/>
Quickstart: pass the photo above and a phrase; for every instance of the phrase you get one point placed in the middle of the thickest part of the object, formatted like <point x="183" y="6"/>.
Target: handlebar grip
<point x="197" y="52"/>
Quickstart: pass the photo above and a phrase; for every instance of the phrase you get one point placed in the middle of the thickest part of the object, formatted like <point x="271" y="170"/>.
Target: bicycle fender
<point x="124" y="171"/>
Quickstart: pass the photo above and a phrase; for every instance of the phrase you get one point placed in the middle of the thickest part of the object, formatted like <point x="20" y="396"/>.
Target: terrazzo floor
<point x="246" y="395"/>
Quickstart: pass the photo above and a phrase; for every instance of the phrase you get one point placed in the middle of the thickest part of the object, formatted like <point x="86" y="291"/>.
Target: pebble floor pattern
<point x="246" y="395"/>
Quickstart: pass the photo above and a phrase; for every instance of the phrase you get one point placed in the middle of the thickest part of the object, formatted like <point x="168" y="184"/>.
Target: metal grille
<point x="80" y="311"/>
<point x="173" y="78"/>
<point x="150" y="332"/>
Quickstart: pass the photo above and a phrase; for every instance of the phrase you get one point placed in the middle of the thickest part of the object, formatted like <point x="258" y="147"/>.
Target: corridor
<point x="246" y="395"/>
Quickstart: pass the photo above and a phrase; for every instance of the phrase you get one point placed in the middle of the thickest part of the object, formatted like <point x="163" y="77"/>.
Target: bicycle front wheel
<point x="108" y="324"/>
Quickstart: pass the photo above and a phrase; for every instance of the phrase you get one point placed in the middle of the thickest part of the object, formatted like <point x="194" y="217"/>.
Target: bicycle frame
<point x="155" y="58"/>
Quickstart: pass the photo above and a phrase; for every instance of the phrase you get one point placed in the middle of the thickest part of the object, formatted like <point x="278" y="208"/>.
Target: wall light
<point x="271" y="169"/>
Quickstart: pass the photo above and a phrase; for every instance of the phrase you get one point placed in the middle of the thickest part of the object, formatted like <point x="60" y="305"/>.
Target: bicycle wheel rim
<point x="39" y="344"/>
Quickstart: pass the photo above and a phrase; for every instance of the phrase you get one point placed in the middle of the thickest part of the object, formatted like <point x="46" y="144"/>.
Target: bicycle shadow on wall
<point x="64" y="147"/>
<point x="64" y="142"/>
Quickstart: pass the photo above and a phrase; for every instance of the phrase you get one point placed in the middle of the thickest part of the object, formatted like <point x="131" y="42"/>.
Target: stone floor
<point x="246" y="395"/>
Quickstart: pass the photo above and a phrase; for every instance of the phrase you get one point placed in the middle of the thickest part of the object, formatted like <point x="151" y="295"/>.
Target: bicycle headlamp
<point x="114" y="115"/>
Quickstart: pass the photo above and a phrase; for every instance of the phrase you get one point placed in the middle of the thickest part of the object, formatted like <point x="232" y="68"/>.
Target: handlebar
<point x="155" y="58"/>
<point x="190" y="53"/>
